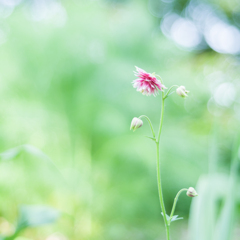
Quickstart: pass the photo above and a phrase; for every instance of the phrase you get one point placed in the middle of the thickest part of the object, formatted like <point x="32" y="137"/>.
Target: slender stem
<point x="150" y="124"/>
<point x="174" y="204"/>
<point x="159" y="173"/>
<point x="169" y="90"/>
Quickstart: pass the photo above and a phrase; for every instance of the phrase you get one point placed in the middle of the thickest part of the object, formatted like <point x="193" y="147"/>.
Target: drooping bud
<point x="191" y="192"/>
<point x="136" y="123"/>
<point x="182" y="92"/>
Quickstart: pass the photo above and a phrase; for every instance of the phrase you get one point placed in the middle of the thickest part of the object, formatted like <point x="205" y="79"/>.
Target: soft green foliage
<point x="174" y="218"/>
<point x="33" y="216"/>
<point x="65" y="88"/>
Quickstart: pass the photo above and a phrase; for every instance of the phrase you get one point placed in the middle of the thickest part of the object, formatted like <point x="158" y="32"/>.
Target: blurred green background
<point x="67" y="102"/>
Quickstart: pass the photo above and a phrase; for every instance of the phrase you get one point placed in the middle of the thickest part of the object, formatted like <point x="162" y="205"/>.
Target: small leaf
<point x="166" y="216"/>
<point x="154" y="139"/>
<point x="175" y="218"/>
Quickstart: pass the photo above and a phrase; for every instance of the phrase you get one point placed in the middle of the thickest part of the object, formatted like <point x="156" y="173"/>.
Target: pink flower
<point x="146" y="83"/>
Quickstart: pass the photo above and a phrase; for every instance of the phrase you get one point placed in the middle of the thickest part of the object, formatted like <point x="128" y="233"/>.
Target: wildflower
<point x="191" y="192"/>
<point x="147" y="83"/>
<point x="182" y="92"/>
<point x="136" y="123"/>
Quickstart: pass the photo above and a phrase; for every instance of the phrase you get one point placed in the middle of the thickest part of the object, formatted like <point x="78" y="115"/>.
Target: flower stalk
<point x="160" y="193"/>
<point x="175" y="203"/>
<point x="150" y="124"/>
<point x="148" y="84"/>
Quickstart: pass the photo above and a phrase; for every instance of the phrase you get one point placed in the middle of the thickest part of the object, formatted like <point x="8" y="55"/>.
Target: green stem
<point x="150" y="124"/>
<point x="170" y="90"/>
<point x="159" y="173"/>
<point x="175" y="203"/>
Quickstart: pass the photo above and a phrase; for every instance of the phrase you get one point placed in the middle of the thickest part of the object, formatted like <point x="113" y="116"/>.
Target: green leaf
<point x="12" y="153"/>
<point x="154" y="139"/>
<point x="32" y="216"/>
<point x="166" y="216"/>
<point x="175" y="218"/>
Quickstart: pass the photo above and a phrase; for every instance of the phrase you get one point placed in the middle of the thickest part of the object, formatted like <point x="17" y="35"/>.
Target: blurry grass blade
<point x="226" y="220"/>
<point x="10" y="153"/>
<point x="37" y="152"/>
<point x="203" y="208"/>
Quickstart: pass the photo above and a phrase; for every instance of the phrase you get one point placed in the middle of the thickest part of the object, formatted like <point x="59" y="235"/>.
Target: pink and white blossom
<point x="191" y="192"/>
<point x="147" y="83"/>
<point x="136" y="123"/>
<point x="182" y="92"/>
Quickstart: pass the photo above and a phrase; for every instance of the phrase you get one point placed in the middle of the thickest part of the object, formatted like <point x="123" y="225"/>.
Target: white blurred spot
<point x="225" y="94"/>
<point x="6" y="228"/>
<point x="5" y="11"/>
<point x="167" y="23"/>
<point x="10" y="3"/>
<point x="223" y="38"/>
<point x="52" y="12"/>
<point x="185" y="33"/>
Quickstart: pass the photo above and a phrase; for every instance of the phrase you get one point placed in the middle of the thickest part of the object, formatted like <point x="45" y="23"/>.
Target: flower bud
<point x="182" y="92"/>
<point x="136" y="123"/>
<point x="191" y="192"/>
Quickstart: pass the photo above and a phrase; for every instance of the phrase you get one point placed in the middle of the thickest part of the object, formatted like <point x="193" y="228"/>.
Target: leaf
<point x="10" y="154"/>
<point x="154" y="139"/>
<point x="27" y="148"/>
<point x="166" y="216"/>
<point x="32" y="216"/>
<point x="175" y="218"/>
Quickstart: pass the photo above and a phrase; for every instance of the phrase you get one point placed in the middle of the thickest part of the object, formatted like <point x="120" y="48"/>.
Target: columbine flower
<point x="147" y="83"/>
<point x="182" y="92"/>
<point x="191" y="192"/>
<point x="136" y="123"/>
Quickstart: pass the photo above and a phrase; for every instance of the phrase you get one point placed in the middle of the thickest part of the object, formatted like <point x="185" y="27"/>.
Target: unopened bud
<point x="136" y="123"/>
<point x="182" y="92"/>
<point x="191" y="192"/>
